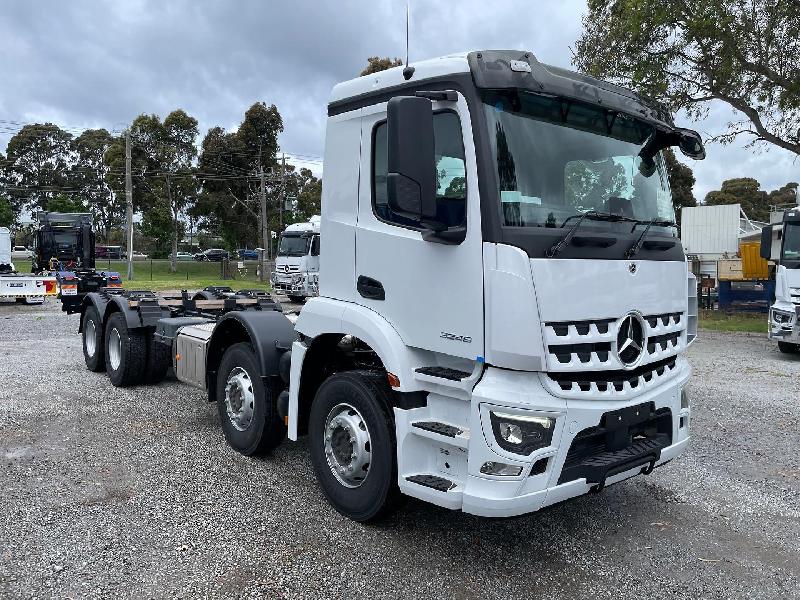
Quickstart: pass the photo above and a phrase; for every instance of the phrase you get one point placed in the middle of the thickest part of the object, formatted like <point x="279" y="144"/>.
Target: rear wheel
<point x="93" y="349"/>
<point x="353" y="445"/>
<point x="788" y="348"/>
<point x="247" y="404"/>
<point x="125" y="352"/>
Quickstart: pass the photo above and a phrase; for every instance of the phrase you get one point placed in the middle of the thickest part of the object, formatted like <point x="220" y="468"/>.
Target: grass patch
<point x="155" y="275"/>
<point x="716" y="320"/>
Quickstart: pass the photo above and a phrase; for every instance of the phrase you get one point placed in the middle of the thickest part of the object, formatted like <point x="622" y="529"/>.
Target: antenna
<point x="408" y="72"/>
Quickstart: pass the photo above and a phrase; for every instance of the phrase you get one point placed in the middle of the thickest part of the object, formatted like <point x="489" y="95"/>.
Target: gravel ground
<point x="134" y="493"/>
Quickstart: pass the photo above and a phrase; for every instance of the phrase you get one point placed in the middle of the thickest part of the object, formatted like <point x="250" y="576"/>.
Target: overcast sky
<point x="83" y="63"/>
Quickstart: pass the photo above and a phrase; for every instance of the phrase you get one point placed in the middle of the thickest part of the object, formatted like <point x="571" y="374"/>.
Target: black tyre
<point x="93" y="347"/>
<point x="125" y="351"/>
<point x="788" y="348"/>
<point x="247" y="405"/>
<point x="297" y="299"/>
<point x="159" y="358"/>
<point x="353" y="445"/>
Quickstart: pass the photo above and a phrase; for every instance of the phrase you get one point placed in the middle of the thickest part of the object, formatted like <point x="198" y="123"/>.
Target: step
<point x="443" y="373"/>
<point x="440" y="484"/>
<point x="440" y="428"/>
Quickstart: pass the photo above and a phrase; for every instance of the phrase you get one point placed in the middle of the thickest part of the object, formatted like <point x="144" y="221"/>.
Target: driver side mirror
<point x="691" y="144"/>
<point x="411" y="178"/>
<point x="766" y="242"/>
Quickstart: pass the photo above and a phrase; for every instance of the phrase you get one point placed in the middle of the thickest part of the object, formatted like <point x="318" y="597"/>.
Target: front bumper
<point x="540" y="482"/>
<point x="296" y="284"/>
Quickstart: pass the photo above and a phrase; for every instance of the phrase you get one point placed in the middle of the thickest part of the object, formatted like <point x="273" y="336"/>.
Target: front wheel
<point x="247" y="404"/>
<point x="297" y="299"/>
<point x="353" y="445"/>
<point x="788" y="348"/>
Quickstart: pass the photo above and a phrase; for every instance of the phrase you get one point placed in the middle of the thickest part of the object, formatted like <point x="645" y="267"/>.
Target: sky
<point x="83" y="63"/>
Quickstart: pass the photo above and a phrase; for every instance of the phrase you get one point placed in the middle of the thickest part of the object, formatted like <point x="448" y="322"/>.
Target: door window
<point x="451" y="179"/>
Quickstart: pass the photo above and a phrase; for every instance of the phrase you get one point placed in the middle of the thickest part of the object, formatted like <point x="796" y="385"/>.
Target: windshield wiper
<point x="634" y="249"/>
<point x="592" y="214"/>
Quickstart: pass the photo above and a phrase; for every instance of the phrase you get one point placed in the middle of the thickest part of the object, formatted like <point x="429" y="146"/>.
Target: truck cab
<point x="501" y="234"/>
<point x="296" y="271"/>
<point x="781" y="243"/>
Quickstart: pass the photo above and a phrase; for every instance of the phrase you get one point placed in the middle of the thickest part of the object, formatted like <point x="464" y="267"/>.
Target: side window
<point x="451" y="177"/>
<point x="315" y="246"/>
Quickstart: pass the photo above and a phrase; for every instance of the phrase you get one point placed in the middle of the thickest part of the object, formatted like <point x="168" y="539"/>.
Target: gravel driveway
<point x="131" y="493"/>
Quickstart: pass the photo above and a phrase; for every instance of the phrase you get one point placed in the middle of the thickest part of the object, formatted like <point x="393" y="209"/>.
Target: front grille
<point x="616" y="382"/>
<point x="590" y="345"/>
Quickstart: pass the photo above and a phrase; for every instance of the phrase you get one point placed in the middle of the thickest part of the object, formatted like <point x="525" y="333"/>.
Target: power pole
<point x="264" y="225"/>
<point x="129" y="202"/>
<point x="283" y="191"/>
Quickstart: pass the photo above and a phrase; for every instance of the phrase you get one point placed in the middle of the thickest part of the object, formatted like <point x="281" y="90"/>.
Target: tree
<point x="6" y="212"/>
<point x="229" y="164"/>
<point x="89" y="176"/>
<point x="687" y="53"/>
<point x="307" y="189"/>
<point x="785" y="195"/>
<point x="37" y="165"/>
<point x="66" y="204"/>
<point x="745" y="191"/>
<point x="681" y="182"/>
<point x="375" y="64"/>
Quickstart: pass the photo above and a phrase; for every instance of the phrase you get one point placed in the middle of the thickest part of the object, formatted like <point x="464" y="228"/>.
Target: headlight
<point x="522" y="434"/>
<point x="781" y="318"/>
<point x="297" y="279"/>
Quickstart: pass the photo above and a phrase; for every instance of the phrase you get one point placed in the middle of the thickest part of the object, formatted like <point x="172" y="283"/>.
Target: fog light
<point x="521" y="434"/>
<point x="781" y="318"/>
<point x="500" y="469"/>
<point x="684" y="398"/>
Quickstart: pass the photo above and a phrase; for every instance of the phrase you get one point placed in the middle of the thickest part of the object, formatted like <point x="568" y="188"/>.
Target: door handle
<point x="370" y="288"/>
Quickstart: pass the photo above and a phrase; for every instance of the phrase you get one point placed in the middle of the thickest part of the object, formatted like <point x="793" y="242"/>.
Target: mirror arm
<point x="451" y="236"/>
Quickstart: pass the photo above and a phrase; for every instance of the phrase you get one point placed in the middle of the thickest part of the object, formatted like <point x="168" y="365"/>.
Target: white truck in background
<point x="27" y="288"/>
<point x="780" y="242"/>
<point x="296" y="271"/>
<point x="504" y="305"/>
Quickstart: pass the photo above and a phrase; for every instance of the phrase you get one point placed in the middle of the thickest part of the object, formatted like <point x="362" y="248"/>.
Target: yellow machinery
<point x="753" y="266"/>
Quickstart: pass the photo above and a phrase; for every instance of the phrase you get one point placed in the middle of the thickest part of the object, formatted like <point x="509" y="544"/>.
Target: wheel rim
<point x="114" y="349"/>
<point x="347" y="445"/>
<point x="240" y="399"/>
<point x="90" y="337"/>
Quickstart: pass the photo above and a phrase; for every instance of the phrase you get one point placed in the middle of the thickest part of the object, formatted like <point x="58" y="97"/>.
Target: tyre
<point x="125" y="352"/>
<point x="788" y="348"/>
<point x="159" y="357"/>
<point x="353" y="446"/>
<point x="247" y="404"/>
<point x="93" y="347"/>
<point x="297" y="299"/>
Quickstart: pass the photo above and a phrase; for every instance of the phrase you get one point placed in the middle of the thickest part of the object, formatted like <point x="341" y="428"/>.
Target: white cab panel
<point x="573" y="290"/>
<point x="513" y="333"/>
<point x="339" y="206"/>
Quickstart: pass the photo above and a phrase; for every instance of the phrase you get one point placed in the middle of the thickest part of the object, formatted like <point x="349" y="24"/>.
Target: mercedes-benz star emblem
<point x="631" y="339"/>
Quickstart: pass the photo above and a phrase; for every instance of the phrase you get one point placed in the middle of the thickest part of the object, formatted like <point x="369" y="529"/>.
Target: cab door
<point x="431" y="293"/>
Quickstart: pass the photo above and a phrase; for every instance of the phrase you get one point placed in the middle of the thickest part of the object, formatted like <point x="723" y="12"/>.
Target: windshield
<point x="556" y="159"/>
<point x="293" y="245"/>
<point x="65" y="238"/>
<point x="791" y="241"/>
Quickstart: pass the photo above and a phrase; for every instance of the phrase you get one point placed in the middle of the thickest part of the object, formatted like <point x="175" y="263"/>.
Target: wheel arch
<point x="270" y="334"/>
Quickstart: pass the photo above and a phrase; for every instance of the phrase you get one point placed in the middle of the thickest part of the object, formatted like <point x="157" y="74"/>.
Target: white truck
<point x="296" y="271"/>
<point x="27" y="288"/>
<point x="504" y="305"/>
<point x="781" y="242"/>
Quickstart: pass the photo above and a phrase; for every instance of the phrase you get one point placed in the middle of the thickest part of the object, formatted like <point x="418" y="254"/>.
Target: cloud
<point x="89" y="64"/>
